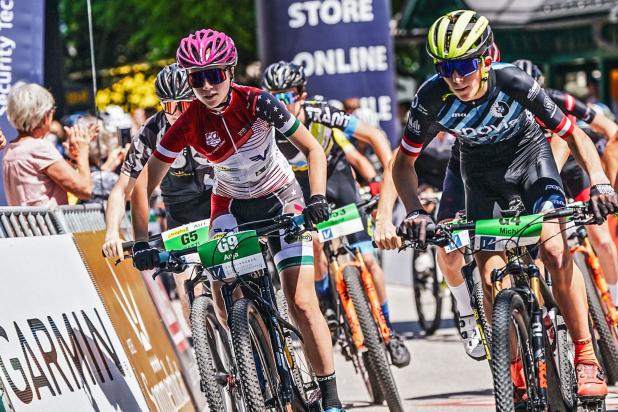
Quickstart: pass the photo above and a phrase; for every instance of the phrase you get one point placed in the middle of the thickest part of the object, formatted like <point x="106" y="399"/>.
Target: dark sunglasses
<point x="172" y="107"/>
<point x="464" y="67"/>
<point x="286" y="97"/>
<point x="212" y="76"/>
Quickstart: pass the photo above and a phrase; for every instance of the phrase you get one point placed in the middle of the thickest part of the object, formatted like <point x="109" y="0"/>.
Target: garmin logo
<point x="312" y="13"/>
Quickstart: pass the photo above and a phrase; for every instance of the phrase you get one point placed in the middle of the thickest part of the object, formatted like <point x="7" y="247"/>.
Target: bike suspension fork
<point x="537" y="335"/>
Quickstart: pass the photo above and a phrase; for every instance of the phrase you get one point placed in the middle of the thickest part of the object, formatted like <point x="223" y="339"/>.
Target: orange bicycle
<point x="361" y="331"/>
<point x="602" y="310"/>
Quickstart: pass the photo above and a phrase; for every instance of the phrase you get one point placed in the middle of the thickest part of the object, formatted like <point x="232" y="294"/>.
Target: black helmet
<point x="171" y="84"/>
<point x="284" y="75"/>
<point x="530" y="68"/>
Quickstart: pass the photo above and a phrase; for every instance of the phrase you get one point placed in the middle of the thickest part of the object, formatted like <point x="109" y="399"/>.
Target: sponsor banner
<point x="21" y="53"/>
<point x="138" y="325"/>
<point x="176" y="332"/>
<point x="345" y="46"/>
<point x="58" y="347"/>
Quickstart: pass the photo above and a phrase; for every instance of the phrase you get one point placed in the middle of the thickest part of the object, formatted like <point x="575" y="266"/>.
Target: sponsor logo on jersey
<point x="499" y="109"/>
<point x="261" y="157"/>
<point x="487" y="130"/>
<point x="212" y="139"/>
<point x="534" y="91"/>
<point x="414" y="126"/>
<point x="549" y="105"/>
<point x="459" y="114"/>
<point x="414" y="102"/>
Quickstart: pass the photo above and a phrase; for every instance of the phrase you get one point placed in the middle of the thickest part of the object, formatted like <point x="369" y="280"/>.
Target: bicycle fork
<point x="372" y="297"/>
<point x="467" y="272"/>
<point x="347" y="304"/>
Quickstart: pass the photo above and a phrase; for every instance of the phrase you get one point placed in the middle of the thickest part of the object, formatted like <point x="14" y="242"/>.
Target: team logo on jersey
<point x="499" y="109"/>
<point x="414" y="102"/>
<point x="549" y="105"/>
<point x="414" y="126"/>
<point x="261" y="157"/>
<point x="212" y="139"/>
<point x="534" y="91"/>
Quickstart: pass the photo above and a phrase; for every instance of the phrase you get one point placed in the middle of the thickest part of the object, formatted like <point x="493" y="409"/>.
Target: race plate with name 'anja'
<point x="232" y="255"/>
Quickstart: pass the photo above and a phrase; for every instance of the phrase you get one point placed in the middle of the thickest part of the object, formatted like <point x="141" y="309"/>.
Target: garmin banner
<point x="21" y="53"/>
<point x="344" y="45"/>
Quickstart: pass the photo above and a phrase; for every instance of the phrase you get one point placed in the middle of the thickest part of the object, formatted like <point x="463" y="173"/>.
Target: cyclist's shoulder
<point x="510" y="78"/>
<point x="431" y="95"/>
<point x="153" y="128"/>
<point x="321" y="112"/>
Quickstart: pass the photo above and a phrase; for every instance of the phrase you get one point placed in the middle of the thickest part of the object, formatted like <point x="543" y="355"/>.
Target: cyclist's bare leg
<point x="568" y="284"/>
<point x="217" y="298"/>
<point x="321" y="264"/>
<point x="298" y="286"/>
<point x="486" y="262"/>
<point x="605" y="248"/>
<point x="450" y="265"/>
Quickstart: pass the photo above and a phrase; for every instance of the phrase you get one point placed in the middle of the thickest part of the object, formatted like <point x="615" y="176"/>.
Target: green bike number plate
<point x="232" y="255"/>
<point x="507" y="233"/>
<point x="186" y="236"/>
<point x="343" y="221"/>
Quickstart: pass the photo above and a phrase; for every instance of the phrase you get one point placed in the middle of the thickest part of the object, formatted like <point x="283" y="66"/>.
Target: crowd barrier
<point x="78" y="332"/>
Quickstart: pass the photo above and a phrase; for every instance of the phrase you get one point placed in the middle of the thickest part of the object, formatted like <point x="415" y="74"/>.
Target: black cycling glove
<point x="144" y="256"/>
<point x="603" y="202"/>
<point x="317" y="210"/>
<point x="414" y="226"/>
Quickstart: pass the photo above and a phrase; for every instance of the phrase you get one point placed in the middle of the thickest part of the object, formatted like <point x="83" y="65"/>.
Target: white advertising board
<point x="58" y="348"/>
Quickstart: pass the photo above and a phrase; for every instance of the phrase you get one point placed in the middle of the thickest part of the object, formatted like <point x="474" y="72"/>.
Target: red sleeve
<point x="175" y="139"/>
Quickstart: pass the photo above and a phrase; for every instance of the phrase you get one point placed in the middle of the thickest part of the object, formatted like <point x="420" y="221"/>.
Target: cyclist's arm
<point x="114" y="214"/>
<point x="152" y="175"/>
<point x="560" y="150"/>
<point x="360" y="163"/>
<point x="605" y="126"/>
<point x="610" y="160"/>
<point x="535" y="99"/>
<point x="406" y="181"/>
<point x="377" y="139"/>
<point x="586" y="154"/>
<point x="385" y="234"/>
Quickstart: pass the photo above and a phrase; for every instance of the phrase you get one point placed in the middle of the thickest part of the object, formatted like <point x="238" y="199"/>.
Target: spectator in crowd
<point x="34" y="172"/>
<point x="2" y="140"/>
<point x="105" y="156"/>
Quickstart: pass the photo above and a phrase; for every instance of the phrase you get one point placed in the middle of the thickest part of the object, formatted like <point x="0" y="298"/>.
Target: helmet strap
<point x="484" y="78"/>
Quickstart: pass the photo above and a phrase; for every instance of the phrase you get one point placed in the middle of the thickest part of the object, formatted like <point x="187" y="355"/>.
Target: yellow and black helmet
<point x="460" y="34"/>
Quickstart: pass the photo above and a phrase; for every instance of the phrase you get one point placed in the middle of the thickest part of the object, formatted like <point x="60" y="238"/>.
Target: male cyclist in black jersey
<point x="187" y="186"/>
<point x="504" y="154"/>
<point x="332" y="127"/>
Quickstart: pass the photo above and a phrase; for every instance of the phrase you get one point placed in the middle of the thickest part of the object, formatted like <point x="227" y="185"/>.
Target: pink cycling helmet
<point x="206" y="48"/>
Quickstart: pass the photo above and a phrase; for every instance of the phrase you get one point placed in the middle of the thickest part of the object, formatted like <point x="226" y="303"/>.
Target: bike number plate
<point x="343" y="221"/>
<point x="186" y="236"/>
<point x="232" y="255"/>
<point x="507" y="233"/>
<point x="460" y="238"/>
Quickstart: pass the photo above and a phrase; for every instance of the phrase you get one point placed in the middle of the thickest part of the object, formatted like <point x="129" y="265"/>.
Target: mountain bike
<point x="602" y="310"/>
<point x="526" y="320"/>
<point x="268" y="370"/>
<point x="361" y="331"/>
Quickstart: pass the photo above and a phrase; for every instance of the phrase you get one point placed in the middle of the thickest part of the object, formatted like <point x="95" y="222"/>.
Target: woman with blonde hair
<point x="34" y="172"/>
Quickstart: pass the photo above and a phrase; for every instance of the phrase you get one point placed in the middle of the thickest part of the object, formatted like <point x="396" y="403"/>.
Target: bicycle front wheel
<point x="378" y="365"/>
<point x="427" y="290"/>
<point x="213" y="355"/>
<point x="254" y="357"/>
<point x="606" y="339"/>
<point x="509" y="316"/>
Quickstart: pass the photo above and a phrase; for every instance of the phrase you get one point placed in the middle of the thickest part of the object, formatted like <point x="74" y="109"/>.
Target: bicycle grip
<point x="127" y="246"/>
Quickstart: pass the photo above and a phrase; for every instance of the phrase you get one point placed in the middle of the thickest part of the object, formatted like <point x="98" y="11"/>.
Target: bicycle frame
<point x="598" y="277"/>
<point x="353" y="257"/>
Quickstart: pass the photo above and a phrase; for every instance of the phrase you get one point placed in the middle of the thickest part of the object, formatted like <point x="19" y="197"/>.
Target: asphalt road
<point x="440" y="377"/>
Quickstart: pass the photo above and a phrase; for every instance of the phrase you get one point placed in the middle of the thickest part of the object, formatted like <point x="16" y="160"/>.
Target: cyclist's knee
<point x="556" y="257"/>
<point x="304" y="304"/>
<point x="601" y="239"/>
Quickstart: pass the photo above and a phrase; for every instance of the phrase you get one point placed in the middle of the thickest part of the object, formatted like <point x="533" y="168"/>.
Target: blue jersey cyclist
<point x="491" y="109"/>
<point x="233" y="126"/>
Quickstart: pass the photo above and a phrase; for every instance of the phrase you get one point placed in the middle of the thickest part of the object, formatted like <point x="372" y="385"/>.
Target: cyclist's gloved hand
<point x="414" y="226"/>
<point x="603" y="202"/>
<point x="374" y="186"/>
<point x="144" y="256"/>
<point x="317" y="209"/>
